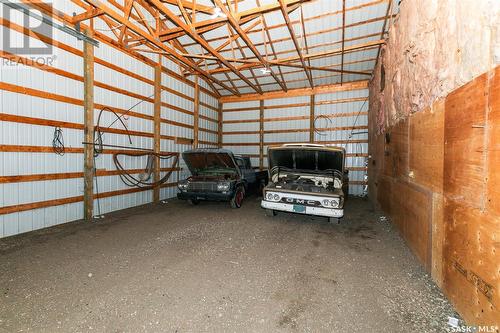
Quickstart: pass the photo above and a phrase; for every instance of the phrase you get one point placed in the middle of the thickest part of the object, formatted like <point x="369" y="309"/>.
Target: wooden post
<point x="157" y="128"/>
<point x="261" y="135"/>
<point x="312" y="119"/>
<point x="88" y="128"/>
<point x="220" y="124"/>
<point x="196" y="112"/>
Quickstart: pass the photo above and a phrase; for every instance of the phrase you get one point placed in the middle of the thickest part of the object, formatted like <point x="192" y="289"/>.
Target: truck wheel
<point x="237" y="199"/>
<point x="193" y="202"/>
<point x="270" y="212"/>
<point x="334" y="220"/>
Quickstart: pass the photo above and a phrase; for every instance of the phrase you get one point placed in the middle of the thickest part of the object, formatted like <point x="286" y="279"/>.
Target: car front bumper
<point x="318" y="211"/>
<point x="210" y="196"/>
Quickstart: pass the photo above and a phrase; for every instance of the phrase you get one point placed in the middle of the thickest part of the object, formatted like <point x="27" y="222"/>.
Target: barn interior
<point x="100" y="99"/>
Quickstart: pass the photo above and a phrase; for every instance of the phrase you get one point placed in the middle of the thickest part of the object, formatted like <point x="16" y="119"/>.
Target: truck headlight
<point x="272" y="196"/>
<point x="183" y="186"/>
<point x="223" y="186"/>
<point x="330" y="203"/>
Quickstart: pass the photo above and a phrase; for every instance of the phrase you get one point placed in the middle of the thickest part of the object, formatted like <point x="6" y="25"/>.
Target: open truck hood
<point x="198" y="160"/>
<point x="307" y="158"/>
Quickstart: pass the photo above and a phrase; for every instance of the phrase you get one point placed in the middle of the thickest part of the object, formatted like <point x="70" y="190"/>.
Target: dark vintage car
<point x="218" y="175"/>
<point x="306" y="179"/>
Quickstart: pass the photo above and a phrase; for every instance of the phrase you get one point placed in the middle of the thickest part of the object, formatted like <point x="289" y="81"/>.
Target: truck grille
<point x="303" y="202"/>
<point x="202" y="187"/>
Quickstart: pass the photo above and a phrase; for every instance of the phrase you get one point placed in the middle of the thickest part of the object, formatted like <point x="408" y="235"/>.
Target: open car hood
<point x="315" y="159"/>
<point x="202" y="159"/>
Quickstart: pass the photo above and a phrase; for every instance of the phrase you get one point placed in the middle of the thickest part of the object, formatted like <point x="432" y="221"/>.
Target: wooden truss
<point x="180" y="30"/>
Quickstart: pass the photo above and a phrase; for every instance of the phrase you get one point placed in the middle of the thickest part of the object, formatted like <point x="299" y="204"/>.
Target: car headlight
<point x="223" y="187"/>
<point x="272" y="196"/>
<point x="183" y="186"/>
<point x="330" y="203"/>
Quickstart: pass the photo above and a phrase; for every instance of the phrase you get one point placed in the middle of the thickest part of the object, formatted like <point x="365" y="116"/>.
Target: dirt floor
<point x="209" y="268"/>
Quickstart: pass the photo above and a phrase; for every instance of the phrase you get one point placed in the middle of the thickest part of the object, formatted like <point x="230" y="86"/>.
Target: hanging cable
<point x="357" y="116"/>
<point x="98" y="135"/>
<point x="322" y="131"/>
<point x="143" y="180"/>
<point x="98" y="147"/>
<point x="58" y="142"/>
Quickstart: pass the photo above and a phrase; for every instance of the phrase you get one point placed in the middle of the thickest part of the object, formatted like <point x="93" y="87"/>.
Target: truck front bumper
<point x="308" y="210"/>
<point x="210" y="196"/>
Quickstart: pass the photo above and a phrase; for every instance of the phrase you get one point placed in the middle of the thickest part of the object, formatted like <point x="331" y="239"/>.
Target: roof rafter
<point x="242" y="17"/>
<point x="236" y="26"/>
<point x="284" y="11"/>
<point x="170" y="51"/>
<point x="193" y="34"/>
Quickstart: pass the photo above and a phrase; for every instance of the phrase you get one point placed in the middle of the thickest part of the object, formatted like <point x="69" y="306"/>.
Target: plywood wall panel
<point x="472" y="262"/>
<point x="493" y="190"/>
<point x="426" y="152"/>
<point x="384" y="191"/>
<point x="399" y="143"/>
<point x="413" y="222"/>
<point x="464" y="142"/>
<point x="437" y="238"/>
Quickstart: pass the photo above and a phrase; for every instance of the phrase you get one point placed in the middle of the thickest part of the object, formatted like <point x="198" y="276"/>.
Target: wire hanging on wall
<point x="58" y="141"/>
<point x="143" y="180"/>
<point x="129" y="179"/>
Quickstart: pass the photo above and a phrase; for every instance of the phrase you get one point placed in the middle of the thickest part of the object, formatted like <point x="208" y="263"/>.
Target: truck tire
<point x="237" y="199"/>
<point x="270" y="212"/>
<point x="193" y="202"/>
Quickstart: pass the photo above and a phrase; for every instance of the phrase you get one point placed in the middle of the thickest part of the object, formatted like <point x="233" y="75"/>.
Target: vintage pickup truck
<point x="306" y="179"/>
<point x="218" y="175"/>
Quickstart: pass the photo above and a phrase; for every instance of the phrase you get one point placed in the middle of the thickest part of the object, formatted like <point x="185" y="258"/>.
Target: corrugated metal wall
<point x="39" y="188"/>
<point x="340" y="120"/>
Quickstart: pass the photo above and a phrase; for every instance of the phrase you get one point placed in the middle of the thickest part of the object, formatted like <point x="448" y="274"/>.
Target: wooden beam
<point x="153" y="40"/>
<point x="312" y="118"/>
<point x="343" y="43"/>
<point x="236" y="26"/>
<point x="355" y="85"/>
<point x="283" y="61"/>
<point x="196" y="115"/>
<point x="88" y="131"/>
<point x="295" y="41"/>
<point x="270" y="39"/>
<point x="194" y="35"/>
<point x="220" y="124"/>
<point x="157" y="127"/>
<point x="261" y="135"/>
<point x="94" y="12"/>
<point x="192" y="5"/>
<point x="242" y="17"/>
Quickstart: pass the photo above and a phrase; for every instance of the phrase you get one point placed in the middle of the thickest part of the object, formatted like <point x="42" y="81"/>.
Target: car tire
<point x="237" y="199"/>
<point x="270" y="212"/>
<point x="334" y="220"/>
<point x="193" y="202"/>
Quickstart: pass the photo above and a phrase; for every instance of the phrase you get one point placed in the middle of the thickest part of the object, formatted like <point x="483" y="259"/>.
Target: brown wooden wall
<point x="436" y="175"/>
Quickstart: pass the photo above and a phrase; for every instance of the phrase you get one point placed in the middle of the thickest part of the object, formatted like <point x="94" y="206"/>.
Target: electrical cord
<point x="98" y="135"/>
<point x="143" y="179"/>
<point x="58" y="142"/>
<point x="98" y="148"/>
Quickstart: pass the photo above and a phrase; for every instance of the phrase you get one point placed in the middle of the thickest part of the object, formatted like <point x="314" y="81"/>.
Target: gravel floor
<point x="209" y="268"/>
